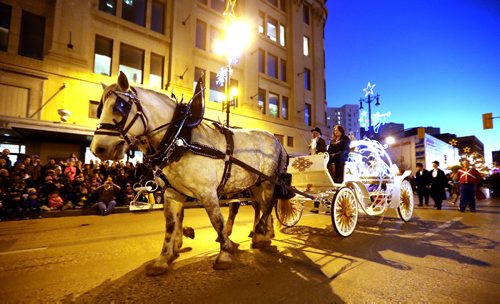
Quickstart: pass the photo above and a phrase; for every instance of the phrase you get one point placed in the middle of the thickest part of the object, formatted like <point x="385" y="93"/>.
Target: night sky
<point x="434" y="63"/>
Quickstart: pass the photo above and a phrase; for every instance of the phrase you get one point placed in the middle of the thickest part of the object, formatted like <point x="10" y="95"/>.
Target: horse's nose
<point x="100" y="150"/>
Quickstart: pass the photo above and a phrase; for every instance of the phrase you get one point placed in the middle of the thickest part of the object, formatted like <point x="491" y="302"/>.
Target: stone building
<point x="54" y="55"/>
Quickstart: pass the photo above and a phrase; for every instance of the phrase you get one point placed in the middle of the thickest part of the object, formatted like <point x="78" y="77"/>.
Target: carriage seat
<point x="310" y="173"/>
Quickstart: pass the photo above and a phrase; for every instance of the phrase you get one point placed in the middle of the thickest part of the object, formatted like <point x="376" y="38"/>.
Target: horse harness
<point x="177" y="139"/>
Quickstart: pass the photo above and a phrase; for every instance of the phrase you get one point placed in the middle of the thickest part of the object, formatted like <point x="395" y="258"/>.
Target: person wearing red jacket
<point x="469" y="179"/>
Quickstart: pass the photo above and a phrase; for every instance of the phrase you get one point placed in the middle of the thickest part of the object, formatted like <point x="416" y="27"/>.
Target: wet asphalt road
<point x="439" y="257"/>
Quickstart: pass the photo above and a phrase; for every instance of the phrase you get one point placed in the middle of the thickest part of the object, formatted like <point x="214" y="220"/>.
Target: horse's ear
<point x="103" y="86"/>
<point x="123" y="82"/>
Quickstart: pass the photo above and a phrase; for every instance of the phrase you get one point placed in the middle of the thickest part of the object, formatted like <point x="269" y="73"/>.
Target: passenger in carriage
<point x="339" y="151"/>
<point x="317" y="144"/>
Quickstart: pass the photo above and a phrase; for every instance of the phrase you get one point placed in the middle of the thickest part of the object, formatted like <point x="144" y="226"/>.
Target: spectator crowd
<point x="28" y="187"/>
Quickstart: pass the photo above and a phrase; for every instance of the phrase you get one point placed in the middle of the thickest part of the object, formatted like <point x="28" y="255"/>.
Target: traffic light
<point x="488" y="121"/>
<point x="421" y="133"/>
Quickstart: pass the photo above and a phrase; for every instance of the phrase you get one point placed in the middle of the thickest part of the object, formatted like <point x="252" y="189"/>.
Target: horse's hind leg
<point x="172" y="211"/>
<point x="211" y="204"/>
<point x="264" y="230"/>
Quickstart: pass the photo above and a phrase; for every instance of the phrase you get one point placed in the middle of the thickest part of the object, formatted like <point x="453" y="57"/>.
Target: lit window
<point x="5" y="14"/>
<point x="201" y="34"/>
<point x="307" y="114"/>
<point x="134" y="11"/>
<point x="157" y="17"/>
<point x="103" y="52"/>
<point x="261" y="23"/>
<point x="215" y="35"/>
<point x="282" y="35"/>
<point x="272" y="65"/>
<point x="273" y="104"/>
<point x="306" y="46"/>
<point x="108" y="6"/>
<point x="271" y="29"/>
<point x="262" y="101"/>
<point x="284" y="107"/>
<point x="307" y="79"/>
<point x="131" y="62"/>
<point x="156" y="72"/>
<point x="32" y="35"/>
<point x="217" y="92"/>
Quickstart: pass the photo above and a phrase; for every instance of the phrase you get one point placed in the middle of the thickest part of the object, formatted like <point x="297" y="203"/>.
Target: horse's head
<point x="118" y="114"/>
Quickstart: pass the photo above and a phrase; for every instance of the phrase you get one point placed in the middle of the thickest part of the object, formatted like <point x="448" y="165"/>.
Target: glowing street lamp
<point x="390" y="140"/>
<point x="236" y="39"/>
<point x="369" y="98"/>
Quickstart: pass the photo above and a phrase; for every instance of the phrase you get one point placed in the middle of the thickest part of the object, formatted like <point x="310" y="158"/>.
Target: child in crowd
<point x="55" y="201"/>
<point x="34" y="203"/>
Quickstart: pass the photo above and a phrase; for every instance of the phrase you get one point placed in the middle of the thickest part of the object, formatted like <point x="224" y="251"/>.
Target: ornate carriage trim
<point x="302" y="164"/>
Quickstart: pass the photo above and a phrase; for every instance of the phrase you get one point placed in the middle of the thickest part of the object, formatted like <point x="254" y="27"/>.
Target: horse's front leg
<point x="233" y="211"/>
<point x="211" y="203"/>
<point x="172" y="211"/>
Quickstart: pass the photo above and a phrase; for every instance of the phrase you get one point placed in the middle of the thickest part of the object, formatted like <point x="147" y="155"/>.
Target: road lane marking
<point x="442" y="226"/>
<point x="23" y="250"/>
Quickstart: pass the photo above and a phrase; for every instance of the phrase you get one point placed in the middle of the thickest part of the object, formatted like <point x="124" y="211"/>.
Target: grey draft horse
<point x="123" y="108"/>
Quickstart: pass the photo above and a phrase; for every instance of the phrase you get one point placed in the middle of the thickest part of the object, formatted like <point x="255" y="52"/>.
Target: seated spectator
<point x="82" y="197"/>
<point x="55" y="201"/>
<point x="34" y="203"/>
<point x="107" y="194"/>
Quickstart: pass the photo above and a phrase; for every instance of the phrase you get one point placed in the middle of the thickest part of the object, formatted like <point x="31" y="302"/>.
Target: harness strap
<point x="228" y="134"/>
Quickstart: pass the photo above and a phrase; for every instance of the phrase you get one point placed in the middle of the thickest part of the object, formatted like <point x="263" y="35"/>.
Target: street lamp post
<point x="237" y="37"/>
<point x="369" y="99"/>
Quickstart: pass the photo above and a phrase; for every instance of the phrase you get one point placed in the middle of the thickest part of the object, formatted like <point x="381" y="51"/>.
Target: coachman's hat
<point x="317" y="130"/>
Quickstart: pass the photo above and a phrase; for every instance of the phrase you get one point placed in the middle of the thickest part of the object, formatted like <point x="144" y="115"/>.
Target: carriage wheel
<point x="344" y="211"/>
<point x="294" y="214"/>
<point x="405" y="209"/>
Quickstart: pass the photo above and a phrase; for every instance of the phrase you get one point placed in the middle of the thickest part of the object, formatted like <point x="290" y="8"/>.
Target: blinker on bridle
<point x="123" y="106"/>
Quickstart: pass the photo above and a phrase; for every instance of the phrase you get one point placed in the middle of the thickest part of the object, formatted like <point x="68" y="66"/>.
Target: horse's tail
<point x="283" y="192"/>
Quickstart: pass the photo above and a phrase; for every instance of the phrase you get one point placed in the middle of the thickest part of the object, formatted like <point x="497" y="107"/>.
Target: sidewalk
<point x="95" y="211"/>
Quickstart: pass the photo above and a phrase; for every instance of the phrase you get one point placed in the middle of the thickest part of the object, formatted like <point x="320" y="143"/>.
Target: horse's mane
<point x="156" y="93"/>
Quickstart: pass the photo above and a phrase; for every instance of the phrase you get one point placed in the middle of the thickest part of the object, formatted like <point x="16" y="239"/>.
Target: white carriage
<point x="372" y="183"/>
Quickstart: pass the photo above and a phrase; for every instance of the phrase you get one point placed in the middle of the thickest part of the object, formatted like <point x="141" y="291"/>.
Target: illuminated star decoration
<point x="453" y="142"/>
<point x="378" y="119"/>
<point x="222" y="75"/>
<point x="466" y="150"/>
<point x="369" y="89"/>
<point x="229" y="11"/>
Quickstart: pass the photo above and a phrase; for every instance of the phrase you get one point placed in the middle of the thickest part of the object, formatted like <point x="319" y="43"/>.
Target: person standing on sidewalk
<point x="438" y="184"/>
<point x="422" y="180"/>
<point x="469" y="179"/>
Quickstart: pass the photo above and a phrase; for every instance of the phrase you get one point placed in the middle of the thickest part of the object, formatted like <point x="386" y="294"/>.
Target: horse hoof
<point x="154" y="269"/>
<point x="259" y="241"/>
<point x="224" y="261"/>
<point x="188" y="232"/>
